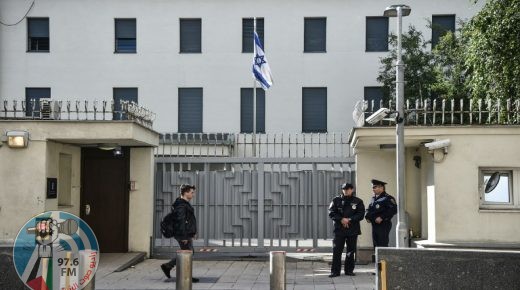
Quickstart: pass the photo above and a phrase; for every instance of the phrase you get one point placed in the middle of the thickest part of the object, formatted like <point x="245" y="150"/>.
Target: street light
<point x="402" y="228"/>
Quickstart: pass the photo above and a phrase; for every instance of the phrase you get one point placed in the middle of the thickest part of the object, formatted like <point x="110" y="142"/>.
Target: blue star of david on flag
<point x="261" y="70"/>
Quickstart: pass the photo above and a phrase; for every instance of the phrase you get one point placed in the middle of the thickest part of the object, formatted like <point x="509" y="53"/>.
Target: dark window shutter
<point x="315" y="35"/>
<point x="247" y="33"/>
<point x="190" y="110"/>
<point x="190" y="35"/>
<point x="126" y="35"/>
<point x="123" y="94"/>
<point x="440" y="25"/>
<point x="377" y="34"/>
<point x="37" y="34"/>
<point x="374" y="94"/>
<point x="35" y="94"/>
<point x="314" y="113"/>
<point x="246" y="110"/>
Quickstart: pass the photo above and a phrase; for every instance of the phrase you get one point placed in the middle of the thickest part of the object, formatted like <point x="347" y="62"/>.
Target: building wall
<point x="141" y="199"/>
<point x="82" y="63"/>
<point x="443" y="197"/>
<point x="22" y="194"/>
<point x="54" y="150"/>
<point x="457" y="189"/>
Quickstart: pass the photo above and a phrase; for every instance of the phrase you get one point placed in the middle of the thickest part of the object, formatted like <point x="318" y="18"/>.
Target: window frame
<point x="514" y="192"/>
<point x="261" y="34"/>
<point x="387" y="33"/>
<point x="306" y="130"/>
<point x="304" y="34"/>
<point x="180" y="36"/>
<point x="28" y="48"/>
<point x="432" y="28"/>
<point x="116" y="38"/>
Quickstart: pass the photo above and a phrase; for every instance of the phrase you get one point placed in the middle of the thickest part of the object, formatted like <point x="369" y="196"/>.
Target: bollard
<point x="91" y="285"/>
<point x="183" y="270"/>
<point x="277" y="270"/>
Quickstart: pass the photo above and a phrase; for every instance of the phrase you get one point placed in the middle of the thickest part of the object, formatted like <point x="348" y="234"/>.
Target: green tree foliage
<point x="492" y="50"/>
<point x="419" y="72"/>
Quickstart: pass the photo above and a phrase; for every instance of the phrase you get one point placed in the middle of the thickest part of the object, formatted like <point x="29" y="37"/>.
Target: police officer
<point x="346" y="211"/>
<point x="380" y="212"/>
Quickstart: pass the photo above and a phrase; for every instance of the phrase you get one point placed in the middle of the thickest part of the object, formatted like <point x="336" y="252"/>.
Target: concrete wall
<point x="443" y="196"/>
<point x="141" y="200"/>
<point x="23" y="185"/>
<point x="82" y="64"/>
<point x="459" y="217"/>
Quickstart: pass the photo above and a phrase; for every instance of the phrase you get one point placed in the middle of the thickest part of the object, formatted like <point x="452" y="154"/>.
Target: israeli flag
<point x="261" y="70"/>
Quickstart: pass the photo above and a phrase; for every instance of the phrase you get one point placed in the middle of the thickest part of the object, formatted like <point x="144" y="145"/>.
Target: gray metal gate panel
<point x="254" y="206"/>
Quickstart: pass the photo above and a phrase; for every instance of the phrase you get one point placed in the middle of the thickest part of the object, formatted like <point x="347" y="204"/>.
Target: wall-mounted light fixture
<point x="107" y="146"/>
<point x="17" y="139"/>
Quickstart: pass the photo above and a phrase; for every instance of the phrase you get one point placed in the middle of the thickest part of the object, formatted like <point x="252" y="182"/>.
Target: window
<point x="32" y="100"/>
<point x="315" y="35"/>
<point x="440" y="25"/>
<point x="246" y="110"/>
<point x="314" y="110"/>
<point x="247" y="33"/>
<point x="190" y="110"/>
<point x="125" y="36"/>
<point x="38" y="34"/>
<point x="190" y="41"/>
<point x="377" y="34"/>
<point x="375" y="95"/>
<point x="506" y="194"/>
<point x="123" y="94"/>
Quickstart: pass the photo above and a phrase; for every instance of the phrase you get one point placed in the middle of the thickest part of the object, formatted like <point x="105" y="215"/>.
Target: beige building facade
<point x="56" y="151"/>
<point x="444" y="192"/>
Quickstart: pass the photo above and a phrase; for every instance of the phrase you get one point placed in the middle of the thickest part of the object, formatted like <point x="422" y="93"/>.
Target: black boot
<point x="166" y="269"/>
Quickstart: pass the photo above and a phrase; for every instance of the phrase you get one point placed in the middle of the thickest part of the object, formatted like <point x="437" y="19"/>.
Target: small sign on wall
<point x="52" y="187"/>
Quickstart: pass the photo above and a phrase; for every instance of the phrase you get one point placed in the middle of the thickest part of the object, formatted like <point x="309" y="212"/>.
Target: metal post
<point x="277" y="270"/>
<point x="261" y="198"/>
<point x="401" y="229"/>
<point x="91" y="285"/>
<point x="207" y="177"/>
<point x="254" y="90"/>
<point x="314" y="193"/>
<point x="184" y="270"/>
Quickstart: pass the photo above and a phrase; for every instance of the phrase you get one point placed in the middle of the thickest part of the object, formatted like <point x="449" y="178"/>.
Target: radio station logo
<point x="56" y="250"/>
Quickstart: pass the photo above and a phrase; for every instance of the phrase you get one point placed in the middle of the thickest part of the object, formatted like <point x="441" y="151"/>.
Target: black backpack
<point x="168" y="225"/>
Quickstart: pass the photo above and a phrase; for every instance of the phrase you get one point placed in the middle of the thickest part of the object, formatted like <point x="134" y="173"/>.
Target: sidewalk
<point x="246" y="275"/>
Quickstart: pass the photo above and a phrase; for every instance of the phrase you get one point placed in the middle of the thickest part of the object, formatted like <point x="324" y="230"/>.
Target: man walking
<point x="185" y="225"/>
<point x="380" y="212"/>
<point x="346" y="211"/>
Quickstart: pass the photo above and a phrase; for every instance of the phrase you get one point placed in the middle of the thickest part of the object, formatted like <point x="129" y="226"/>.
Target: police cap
<point x="347" y="186"/>
<point x="378" y="182"/>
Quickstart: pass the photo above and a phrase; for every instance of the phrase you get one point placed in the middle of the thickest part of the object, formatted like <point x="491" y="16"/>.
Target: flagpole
<point x="254" y="90"/>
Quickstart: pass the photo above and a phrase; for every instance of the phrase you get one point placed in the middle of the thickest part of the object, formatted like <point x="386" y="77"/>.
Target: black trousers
<point x="187" y="246"/>
<point x="337" y="250"/>
<point x="380" y="233"/>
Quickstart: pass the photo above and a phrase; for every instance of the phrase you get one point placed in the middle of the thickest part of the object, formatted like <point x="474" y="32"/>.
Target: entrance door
<point x="104" y="197"/>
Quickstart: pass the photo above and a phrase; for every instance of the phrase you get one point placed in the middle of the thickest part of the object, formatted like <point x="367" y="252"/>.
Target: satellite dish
<point x="359" y="113"/>
<point x="492" y="182"/>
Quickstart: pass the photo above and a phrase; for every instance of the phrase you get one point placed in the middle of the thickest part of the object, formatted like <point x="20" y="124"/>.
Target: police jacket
<point x="185" y="223"/>
<point x="383" y="206"/>
<point x="347" y="207"/>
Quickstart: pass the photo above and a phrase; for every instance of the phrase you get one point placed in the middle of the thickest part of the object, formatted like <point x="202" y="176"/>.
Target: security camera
<point x="438" y="144"/>
<point x="378" y="116"/>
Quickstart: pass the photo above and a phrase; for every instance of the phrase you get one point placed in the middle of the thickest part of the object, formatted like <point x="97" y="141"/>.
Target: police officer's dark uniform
<point x="352" y="208"/>
<point x="383" y="206"/>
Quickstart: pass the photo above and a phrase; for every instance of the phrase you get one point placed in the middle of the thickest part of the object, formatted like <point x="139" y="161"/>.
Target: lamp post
<point x="402" y="228"/>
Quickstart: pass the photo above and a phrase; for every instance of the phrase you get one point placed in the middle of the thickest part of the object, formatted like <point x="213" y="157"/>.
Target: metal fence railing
<point x="46" y="109"/>
<point x="441" y="112"/>
<point x="271" y="145"/>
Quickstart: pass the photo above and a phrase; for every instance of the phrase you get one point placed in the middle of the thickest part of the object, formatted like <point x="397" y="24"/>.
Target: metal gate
<point x="248" y="205"/>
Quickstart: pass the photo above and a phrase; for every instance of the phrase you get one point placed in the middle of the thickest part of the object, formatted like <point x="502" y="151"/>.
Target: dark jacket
<point x="383" y="206"/>
<point x="185" y="223"/>
<point x="347" y="207"/>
